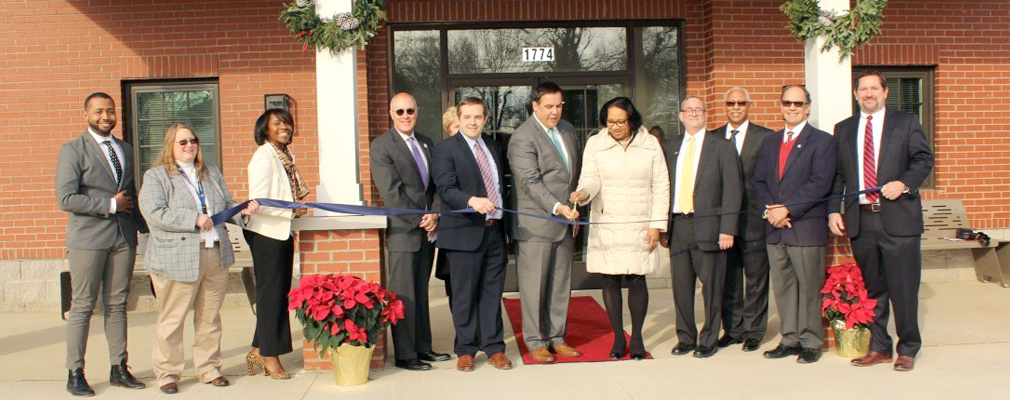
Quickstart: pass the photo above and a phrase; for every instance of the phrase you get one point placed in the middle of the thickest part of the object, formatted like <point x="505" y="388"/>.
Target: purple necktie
<point x="485" y="174"/>
<point x="419" y="160"/>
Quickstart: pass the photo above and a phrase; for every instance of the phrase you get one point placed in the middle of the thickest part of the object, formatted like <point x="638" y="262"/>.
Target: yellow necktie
<point x="687" y="179"/>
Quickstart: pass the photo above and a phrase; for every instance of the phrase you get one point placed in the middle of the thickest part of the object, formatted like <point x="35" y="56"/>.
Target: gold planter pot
<point x="850" y="343"/>
<point x="351" y="364"/>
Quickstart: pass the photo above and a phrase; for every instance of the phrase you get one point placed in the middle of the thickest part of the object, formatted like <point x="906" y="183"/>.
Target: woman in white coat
<point x="625" y="179"/>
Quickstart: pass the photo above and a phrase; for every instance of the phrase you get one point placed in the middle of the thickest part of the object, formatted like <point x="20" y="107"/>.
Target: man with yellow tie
<point x="706" y="189"/>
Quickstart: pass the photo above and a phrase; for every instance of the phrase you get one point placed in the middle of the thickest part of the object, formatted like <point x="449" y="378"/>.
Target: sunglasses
<point x="184" y="142"/>
<point x="740" y="103"/>
<point x="787" y="103"/>
<point x="410" y="111"/>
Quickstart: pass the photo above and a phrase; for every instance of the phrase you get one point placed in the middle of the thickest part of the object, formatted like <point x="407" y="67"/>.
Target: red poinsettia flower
<point x="845" y="296"/>
<point x="393" y="311"/>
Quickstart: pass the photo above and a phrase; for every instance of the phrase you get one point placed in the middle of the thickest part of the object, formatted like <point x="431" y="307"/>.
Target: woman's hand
<point x="301" y="211"/>
<point x="652" y="238"/>
<point x="578" y="196"/>
<point x="252" y="208"/>
<point x="204" y="223"/>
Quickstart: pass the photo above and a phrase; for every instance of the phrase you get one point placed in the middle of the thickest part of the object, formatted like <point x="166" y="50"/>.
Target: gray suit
<point x="544" y="248"/>
<point x="101" y="245"/>
<point x="408" y="265"/>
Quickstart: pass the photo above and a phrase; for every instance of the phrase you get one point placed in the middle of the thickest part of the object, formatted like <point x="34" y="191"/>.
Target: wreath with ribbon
<point x="845" y="30"/>
<point x="350" y="29"/>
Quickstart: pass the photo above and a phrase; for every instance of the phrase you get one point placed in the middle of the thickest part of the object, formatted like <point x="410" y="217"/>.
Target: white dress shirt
<point x="497" y="213"/>
<point x="796" y="130"/>
<point x="699" y="138"/>
<point x="564" y="152"/>
<point x="741" y="134"/>
<point x="112" y="167"/>
<point x="211" y="236"/>
<point x="878" y="131"/>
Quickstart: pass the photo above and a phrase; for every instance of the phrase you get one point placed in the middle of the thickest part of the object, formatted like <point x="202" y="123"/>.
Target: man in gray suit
<point x="545" y="166"/>
<point x="400" y="161"/>
<point x="94" y="183"/>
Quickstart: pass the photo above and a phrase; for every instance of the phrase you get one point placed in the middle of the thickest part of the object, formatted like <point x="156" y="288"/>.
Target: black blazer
<point x="752" y="226"/>
<point x="718" y="188"/>
<point x="904" y="156"/>
<point x="457" y="179"/>
<point x="808" y="176"/>
<point x="399" y="183"/>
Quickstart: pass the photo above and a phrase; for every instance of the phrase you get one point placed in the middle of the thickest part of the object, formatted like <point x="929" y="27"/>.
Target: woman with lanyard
<point x="187" y="255"/>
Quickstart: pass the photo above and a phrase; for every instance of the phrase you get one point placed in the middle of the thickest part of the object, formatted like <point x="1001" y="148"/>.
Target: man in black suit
<point x="795" y="169"/>
<point x="884" y="148"/>
<point x="705" y="180"/>
<point x="468" y="170"/>
<point x="400" y="165"/>
<point x="745" y="305"/>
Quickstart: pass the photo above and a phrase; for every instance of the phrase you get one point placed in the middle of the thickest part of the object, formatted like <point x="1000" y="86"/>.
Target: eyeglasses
<point x="410" y="111"/>
<point x="740" y="103"/>
<point x="787" y="103"/>
<point x="184" y="142"/>
<point x="693" y="111"/>
<point x="617" y="122"/>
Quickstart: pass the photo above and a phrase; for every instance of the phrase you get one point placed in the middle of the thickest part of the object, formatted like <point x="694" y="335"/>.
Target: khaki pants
<point x="175" y="299"/>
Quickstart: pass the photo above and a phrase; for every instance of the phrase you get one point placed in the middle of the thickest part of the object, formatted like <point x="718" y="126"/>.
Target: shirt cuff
<point x="554" y="211"/>
<point x="112" y="206"/>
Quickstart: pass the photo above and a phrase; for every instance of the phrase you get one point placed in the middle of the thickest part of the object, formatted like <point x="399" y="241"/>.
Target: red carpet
<point x="588" y="330"/>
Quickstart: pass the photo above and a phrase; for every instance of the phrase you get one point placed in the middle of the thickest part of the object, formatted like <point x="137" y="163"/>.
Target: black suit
<point x="745" y="306"/>
<point x="694" y="242"/>
<point x="475" y="251"/>
<point x="886" y="245"/>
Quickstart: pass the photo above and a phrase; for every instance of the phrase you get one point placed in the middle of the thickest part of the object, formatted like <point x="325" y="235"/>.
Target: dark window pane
<point x="416" y="70"/>
<point x="478" y="51"/>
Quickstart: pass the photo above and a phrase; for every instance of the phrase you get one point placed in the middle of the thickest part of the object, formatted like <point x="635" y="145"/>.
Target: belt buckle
<point x="875" y="207"/>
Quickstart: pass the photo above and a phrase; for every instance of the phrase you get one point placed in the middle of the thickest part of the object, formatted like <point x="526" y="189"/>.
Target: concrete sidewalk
<point x="965" y="356"/>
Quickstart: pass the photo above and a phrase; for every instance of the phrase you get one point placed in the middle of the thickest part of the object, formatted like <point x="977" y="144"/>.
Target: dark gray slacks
<point x="478" y="280"/>
<point x="797" y="278"/>
<point x="407" y="275"/>
<point x="745" y="295"/>
<point x="92" y="271"/>
<point x="689" y="263"/>
<point x="545" y="282"/>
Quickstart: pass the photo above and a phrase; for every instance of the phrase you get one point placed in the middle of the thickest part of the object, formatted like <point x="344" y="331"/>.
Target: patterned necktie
<point x="687" y="179"/>
<point x="553" y="134"/>
<point x="732" y="136"/>
<point x="421" y="168"/>
<point x="869" y="162"/>
<point x="115" y="161"/>
<point x="485" y="174"/>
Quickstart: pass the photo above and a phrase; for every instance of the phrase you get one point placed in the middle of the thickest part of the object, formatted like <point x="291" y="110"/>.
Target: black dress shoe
<point x="432" y="356"/>
<point x="726" y="340"/>
<point x="682" y="349"/>
<point x="637" y="349"/>
<point x="751" y="344"/>
<point x="120" y="376"/>
<point x="808" y="356"/>
<point x="705" y="352"/>
<point x="77" y="385"/>
<point x="170" y="388"/>
<point x="781" y="351"/>
<point x="413" y="364"/>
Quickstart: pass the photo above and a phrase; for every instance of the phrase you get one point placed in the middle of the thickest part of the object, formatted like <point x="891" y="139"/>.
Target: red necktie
<point x="784" y="150"/>
<point x="869" y="162"/>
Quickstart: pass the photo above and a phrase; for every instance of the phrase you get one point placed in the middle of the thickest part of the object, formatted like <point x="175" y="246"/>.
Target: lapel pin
<point x="799" y="145"/>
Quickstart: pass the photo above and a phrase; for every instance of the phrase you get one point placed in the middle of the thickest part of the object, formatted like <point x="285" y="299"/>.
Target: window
<point x="153" y="107"/>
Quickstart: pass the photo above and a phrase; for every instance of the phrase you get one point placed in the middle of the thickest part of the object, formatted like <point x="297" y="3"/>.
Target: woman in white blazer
<point x="273" y="175"/>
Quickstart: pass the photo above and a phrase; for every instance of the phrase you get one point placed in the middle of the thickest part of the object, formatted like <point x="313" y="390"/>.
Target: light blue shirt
<point x="496" y="214"/>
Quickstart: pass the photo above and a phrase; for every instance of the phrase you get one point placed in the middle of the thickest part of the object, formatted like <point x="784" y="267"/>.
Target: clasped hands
<point x="778" y="216"/>
<point x="204" y="223"/>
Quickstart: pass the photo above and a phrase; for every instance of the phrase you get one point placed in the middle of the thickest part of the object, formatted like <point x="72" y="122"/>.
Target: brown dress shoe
<point x="498" y="360"/>
<point x="904" y="363"/>
<point x="564" y="350"/>
<point x="872" y="358"/>
<point x="464" y="363"/>
<point x="542" y="355"/>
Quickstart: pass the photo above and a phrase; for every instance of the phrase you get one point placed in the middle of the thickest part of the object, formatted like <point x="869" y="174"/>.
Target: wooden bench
<point x="942" y="218"/>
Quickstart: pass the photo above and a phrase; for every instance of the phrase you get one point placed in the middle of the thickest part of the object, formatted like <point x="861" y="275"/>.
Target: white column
<point x="829" y="81"/>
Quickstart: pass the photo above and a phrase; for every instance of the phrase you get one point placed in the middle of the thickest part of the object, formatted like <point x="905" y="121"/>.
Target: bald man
<point x="400" y="162"/>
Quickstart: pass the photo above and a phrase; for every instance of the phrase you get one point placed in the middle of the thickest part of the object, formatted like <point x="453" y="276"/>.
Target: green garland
<point x="846" y="31"/>
<point x="355" y="28"/>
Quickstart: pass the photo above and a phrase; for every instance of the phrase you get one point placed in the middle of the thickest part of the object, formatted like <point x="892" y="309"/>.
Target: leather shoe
<point x="464" y="363"/>
<point x="808" y="356"/>
<point x="120" y="376"/>
<point x="431" y="356"/>
<point x="564" y="350"/>
<point x="904" y="363"/>
<point x="77" y="385"/>
<point x="681" y="349"/>
<point x="872" y="358"/>
<point x="705" y="351"/>
<point x="751" y="344"/>
<point x="220" y="382"/>
<point x="500" y="361"/>
<point x="412" y="364"/>
<point x="170" y="388"/>
<point x="727" y="340"/>
<point x="542" y="355"/>
<point x="782" y="351"/>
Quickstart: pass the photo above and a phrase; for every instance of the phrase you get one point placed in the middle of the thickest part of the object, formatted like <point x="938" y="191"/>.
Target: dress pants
<point x="545" y="287"/>
<point x="272" y="262"/>
<point x="690" y="263"/>
<point x="892" y="269"/>
<point x="745" y="296"/>
<point x="175" y="299"/>
<point x="407" y="275"/>
<point x="109" y="271"/>
<point x="478" y="280"/>
<point x="798" y="276"/>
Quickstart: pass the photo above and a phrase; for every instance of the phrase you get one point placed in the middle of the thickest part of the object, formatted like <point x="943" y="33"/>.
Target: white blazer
<point x="267" y="179"/>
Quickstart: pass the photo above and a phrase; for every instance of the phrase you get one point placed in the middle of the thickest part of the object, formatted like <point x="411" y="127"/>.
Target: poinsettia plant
<point x="846" y="298"/>
<point x="341" y="308"/>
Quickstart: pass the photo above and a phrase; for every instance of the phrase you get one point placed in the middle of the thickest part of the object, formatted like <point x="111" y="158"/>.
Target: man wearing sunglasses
<point x="400" y="161"/>
<point x="745" y="304"/>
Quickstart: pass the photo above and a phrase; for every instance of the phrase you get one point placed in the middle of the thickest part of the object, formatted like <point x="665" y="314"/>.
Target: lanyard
<point x="198" y="188"/>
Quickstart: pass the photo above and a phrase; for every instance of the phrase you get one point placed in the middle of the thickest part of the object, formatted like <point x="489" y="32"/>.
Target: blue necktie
<point x="421" y="168"/>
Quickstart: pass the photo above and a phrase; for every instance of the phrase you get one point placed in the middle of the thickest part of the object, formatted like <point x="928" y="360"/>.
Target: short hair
<point x="624" y="103"/>
<point x="657" y="131"/>
<point x="167" y="156"/>
<point x="448" y="119"/>
<point x="869" y="72"/>
<point x="97" y="95"/>
<point x="262" y="131"/>
<point x="746" y="94"/>
<point x="689" y="97"/>
<point x="545" y="88"/>
<point x="469" y="101"/>
<point x="787" y="87"/>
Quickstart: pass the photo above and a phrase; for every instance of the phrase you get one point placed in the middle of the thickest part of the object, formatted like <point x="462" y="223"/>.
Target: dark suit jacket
<point x="904" y="156"/>
<point x="808" y="176"/>
<point x="718" y="188"/>
<point x="752" y="226"/>
<point x="398" y="180"/>
<point x="457" y="179"/>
